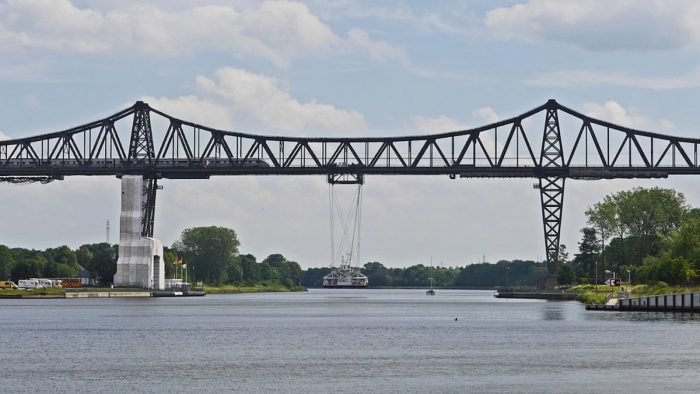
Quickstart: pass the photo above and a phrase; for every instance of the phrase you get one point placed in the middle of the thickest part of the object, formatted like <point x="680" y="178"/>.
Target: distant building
<point x="86" y="278"/>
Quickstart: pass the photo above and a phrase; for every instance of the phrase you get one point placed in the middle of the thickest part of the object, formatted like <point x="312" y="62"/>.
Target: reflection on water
<point x="553" y="311"/>
<point x="343" y="341"/>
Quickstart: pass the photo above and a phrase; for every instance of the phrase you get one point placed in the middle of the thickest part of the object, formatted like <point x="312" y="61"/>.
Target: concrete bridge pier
<point x="140" y="262"/>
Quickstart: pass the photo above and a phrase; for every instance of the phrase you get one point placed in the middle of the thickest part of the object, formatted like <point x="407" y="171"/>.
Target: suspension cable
<point x="349" y="221"/>
<point x="359" y="221"/>
<point x="332" y="215"/>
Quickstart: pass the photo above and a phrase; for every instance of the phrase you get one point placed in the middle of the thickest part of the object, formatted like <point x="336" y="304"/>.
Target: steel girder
<point x="141" y="150"/>
<point x="599" y="150"/>
<point x="186" y="150"/>
<point x="148" y="207"/>
<point x="141" y="142"/>
<point x="552" y="199"/>
<point x="552" y="193"/>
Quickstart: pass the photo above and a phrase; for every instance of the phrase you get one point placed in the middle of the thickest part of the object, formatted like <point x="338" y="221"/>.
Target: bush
<point x="672" y="270"/>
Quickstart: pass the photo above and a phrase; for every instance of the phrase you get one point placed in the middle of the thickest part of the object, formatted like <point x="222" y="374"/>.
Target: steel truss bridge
<point x="144" y="141"/>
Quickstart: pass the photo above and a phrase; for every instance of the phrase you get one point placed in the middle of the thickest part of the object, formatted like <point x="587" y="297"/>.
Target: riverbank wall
<point x="539" y="295"/>
<point x="683" y="302"/>
<point x="107" y="294"/>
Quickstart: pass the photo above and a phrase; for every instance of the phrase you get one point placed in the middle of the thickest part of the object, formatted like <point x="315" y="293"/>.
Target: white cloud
<point x="450" y="19"/>
<point x="667" y="124"/>
<point x="276" y="31"/>
<point x="600" y="24"/>
<point x="22" y="72"/>
<point x="262" y="99"/>
<point x="438" y="124"/>
<point x="487" y="114"/>
<point x="377" y="50"/>
<point x="577" y="79"/>
<point x="3" y="136"/>
<point x="193" y="109"/>
<point x="441" y="123"/>
<point x="614" y="112"/>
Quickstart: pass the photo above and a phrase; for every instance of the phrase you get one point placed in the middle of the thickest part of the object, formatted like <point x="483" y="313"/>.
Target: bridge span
<point x="549" y="143"/>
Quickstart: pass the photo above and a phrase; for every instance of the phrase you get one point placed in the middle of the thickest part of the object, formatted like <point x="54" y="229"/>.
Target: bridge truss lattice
<point x="141" y="140"/>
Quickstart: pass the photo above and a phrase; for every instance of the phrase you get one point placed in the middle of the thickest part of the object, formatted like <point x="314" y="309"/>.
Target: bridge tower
<point x="140" y="260"/>
<point x="141" y="151"/>
<point x="551" y="191"/>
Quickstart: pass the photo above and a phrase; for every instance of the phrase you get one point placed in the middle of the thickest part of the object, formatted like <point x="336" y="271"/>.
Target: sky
<point x="340" y="68"/>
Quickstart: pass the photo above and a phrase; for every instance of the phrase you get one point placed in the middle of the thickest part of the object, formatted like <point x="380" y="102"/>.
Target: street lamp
<point x="596" y="276"/>
<point x="629" y="282"/>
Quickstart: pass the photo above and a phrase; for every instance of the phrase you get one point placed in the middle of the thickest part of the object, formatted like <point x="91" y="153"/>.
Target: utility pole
<point x="107" y="231"/>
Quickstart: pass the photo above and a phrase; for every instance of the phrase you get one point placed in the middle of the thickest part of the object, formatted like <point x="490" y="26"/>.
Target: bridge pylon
<point x="148" y="206"/>
<point x="552" y="192"/>
<point x="142" y="151"/>
<point x="141" y="143"/>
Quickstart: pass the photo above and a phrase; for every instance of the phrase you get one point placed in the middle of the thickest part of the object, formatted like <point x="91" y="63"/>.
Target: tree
<point x="605" y="221"/>
<point x="169" y="257"/>
<point x="6" y="262"/>
<point x="103" y="261"/>
<point x="648" y="212"/>
<point x="640" y="215"/>
<point x="62" y="255"/>
<point x="234" y="271"/>
<point x="209" y="250"/>
<point x="566" y="275"/>
<point x="667" y="268"/>
<point x="249" y="266"/>
<point x="685" y="241"/>
<point x="585" y="260"/>
<point x="28" y="264"/>
<point x="313" y="277"/>
<point x="377" y="274"/>
<point x="83" y="256"/>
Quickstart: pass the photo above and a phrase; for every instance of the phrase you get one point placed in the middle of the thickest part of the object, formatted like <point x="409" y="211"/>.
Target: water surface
<point x="345" y="341"/>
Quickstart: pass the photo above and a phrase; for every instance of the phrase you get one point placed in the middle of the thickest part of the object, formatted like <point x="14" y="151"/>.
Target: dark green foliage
<point x="283" y="271"/>
<point x="102" y="262"/>
<point x="27" y="264"/>
<point x="6" y="262"/>
<point x="61" y="262"/>
<point x="585" y="261"/>
<point x="313" y="277"/>
<point x="62" y="255"/>
<point x="504" y="273"/>
<point x="634" y="220"/>
<point x="653" y="233"/>
<point x="566" y="274"/>
<point x="208" y="251"/>
<point x="169" y="257"/>
<point x="669" y="269"/>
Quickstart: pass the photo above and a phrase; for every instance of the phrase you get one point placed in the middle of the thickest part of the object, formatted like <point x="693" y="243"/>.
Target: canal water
<point x="342" y="341"/>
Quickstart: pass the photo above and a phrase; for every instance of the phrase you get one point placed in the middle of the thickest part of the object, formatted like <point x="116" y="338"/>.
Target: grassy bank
<point x="250" y="289"/>
<point x="50" y="291"/>
<point x="589" y="295"/>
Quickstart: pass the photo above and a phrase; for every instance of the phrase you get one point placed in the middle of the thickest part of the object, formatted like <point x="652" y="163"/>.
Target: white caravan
<point x="29" y="284"/>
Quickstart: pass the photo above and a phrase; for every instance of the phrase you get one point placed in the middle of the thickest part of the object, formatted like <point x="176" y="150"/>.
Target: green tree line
<point x="483" y="275"/>
<point x="650" y="232"/>
<point x="60" y="262"/>
<point x="209" y="253"/>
